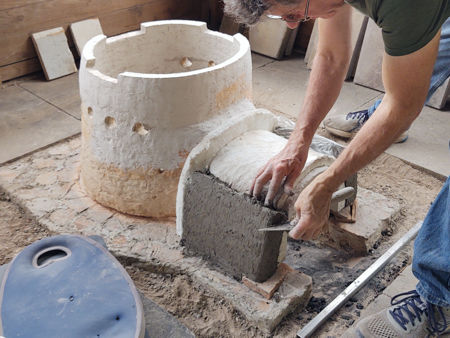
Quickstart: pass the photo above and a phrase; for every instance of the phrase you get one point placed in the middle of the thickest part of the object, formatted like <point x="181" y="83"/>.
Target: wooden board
<point x="18" y="19"/>
<point x="19" y="68"/>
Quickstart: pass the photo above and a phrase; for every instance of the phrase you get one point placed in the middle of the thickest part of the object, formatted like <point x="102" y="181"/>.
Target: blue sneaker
<point x="410" y="316"/>
<point x="347" y="126"/>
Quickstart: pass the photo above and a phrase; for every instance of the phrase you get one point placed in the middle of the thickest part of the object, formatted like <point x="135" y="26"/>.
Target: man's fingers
<point x="260" y="182"/>
<point x="297" y="231"/>
<point x="260" y="171"/>
<point x="274" y="186"/>
<point x="305" y="229"/>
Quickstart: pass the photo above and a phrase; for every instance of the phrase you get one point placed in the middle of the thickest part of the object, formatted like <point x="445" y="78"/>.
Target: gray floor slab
<point x="64" y="92"/>
<point x="259" y="60"/>
<point x="428" y="142"/>
<point x="28" y="123"/>
<point x="281" y="87"/>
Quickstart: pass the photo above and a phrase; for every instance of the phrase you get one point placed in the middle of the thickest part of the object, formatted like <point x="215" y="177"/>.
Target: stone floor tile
<point x="54" y="53"/>
<point x="63" y="93"/>
<point x="28" y="123"/>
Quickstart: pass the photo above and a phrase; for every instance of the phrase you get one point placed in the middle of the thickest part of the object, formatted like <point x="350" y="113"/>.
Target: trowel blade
<point x="282" y="227"/>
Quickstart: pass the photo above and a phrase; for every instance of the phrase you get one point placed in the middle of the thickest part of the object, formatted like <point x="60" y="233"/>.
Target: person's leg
<point x="431" y="261"/>
<point x="441" y="70"/>
<point x="347" y="126"/>
<point x="427" y="309"/>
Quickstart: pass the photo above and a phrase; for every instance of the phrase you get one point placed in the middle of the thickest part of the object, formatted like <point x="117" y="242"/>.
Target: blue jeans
<point x="441" y="70"/>
<point x="431" y="260"/>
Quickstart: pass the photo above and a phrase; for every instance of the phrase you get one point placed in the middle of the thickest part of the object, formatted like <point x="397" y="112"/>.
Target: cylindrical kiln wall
<point x="148" y="97"/>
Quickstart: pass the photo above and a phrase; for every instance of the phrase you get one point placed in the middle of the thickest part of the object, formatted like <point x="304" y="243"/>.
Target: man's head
<point x="291" y="11"/>
<point x="250" y="11"/>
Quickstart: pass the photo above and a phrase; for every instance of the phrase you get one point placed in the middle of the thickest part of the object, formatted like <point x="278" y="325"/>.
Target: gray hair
<point x="249" y="12"/>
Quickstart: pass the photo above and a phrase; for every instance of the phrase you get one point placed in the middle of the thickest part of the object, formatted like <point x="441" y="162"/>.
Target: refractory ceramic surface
<point x="148" y="97"/>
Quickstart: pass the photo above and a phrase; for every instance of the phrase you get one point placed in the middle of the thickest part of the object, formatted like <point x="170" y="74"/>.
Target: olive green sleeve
<point x="407" y="26"/>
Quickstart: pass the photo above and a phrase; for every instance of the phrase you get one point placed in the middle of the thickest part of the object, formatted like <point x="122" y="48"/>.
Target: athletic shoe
<point x="347" y="126"/>
<point x="408" y="317"/>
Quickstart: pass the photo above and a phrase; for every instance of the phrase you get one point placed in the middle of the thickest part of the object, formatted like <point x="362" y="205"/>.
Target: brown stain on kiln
<point x="238" y="90"/>
<point x="148" y="192"/>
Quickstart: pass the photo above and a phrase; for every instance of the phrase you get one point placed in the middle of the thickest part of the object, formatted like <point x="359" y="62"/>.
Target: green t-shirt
<point x="407" y="25"/>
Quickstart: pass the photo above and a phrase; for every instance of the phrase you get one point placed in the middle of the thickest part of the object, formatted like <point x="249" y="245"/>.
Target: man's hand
<point x="313" y="210"/>
<point x="285" y="166"/>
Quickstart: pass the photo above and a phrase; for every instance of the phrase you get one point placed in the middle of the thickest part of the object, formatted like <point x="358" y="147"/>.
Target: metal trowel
<point x="337" y="197"/>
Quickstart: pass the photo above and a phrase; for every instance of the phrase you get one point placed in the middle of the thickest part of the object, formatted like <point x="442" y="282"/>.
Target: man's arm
<point x="327" y="75"/>
<point x="406" y="80"/>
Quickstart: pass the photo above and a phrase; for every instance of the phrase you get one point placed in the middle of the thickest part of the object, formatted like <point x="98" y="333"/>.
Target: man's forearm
<point x="325" y="83"/>
<point x="377" y="134"/>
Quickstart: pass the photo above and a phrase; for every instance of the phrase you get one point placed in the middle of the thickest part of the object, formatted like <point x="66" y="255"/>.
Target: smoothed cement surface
<point x="222" y="225"/>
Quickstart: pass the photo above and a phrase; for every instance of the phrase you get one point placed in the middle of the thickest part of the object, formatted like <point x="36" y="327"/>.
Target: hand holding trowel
<point x="337" y="197"/>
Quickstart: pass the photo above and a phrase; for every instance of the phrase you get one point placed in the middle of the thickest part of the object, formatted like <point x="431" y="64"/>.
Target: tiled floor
<point x="35" y="113"/>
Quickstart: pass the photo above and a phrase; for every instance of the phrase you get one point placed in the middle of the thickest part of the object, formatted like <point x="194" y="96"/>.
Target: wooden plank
<point x="131" y="18"/>
<point x="16" y="24"/>
<point x="10" y="4"/>
<point x="19" y="68"/>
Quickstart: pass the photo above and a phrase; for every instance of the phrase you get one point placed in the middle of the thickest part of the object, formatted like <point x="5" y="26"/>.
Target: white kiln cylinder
<point x="150" y="96"/>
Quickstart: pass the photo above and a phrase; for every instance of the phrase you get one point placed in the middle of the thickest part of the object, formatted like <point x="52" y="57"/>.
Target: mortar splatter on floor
<point x="209" y="316"/>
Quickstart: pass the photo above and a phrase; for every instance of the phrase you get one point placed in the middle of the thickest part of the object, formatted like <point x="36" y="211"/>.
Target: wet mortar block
<point x="221" y="225"/>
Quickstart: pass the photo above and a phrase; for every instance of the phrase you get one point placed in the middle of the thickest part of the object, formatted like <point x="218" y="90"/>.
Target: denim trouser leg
<point x="441" y="70"/>
<point x="431" y="260"/>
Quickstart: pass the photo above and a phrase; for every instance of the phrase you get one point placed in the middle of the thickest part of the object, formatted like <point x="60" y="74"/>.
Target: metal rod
<point x="309" y="328"/>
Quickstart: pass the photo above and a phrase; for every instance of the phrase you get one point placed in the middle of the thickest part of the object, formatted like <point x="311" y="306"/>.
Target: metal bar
<point x="309" y="328"/>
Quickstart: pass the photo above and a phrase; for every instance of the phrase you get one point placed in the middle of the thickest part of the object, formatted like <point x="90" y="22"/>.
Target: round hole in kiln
<point x="185" y="62"/>
<point x="90" y="111"/>
<point x="211" y="63"/>
<point x="141" y="128"/>
<point x="110" y="121"/>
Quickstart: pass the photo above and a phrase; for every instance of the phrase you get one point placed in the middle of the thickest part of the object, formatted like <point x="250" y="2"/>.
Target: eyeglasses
<point x="292" y="18"/>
